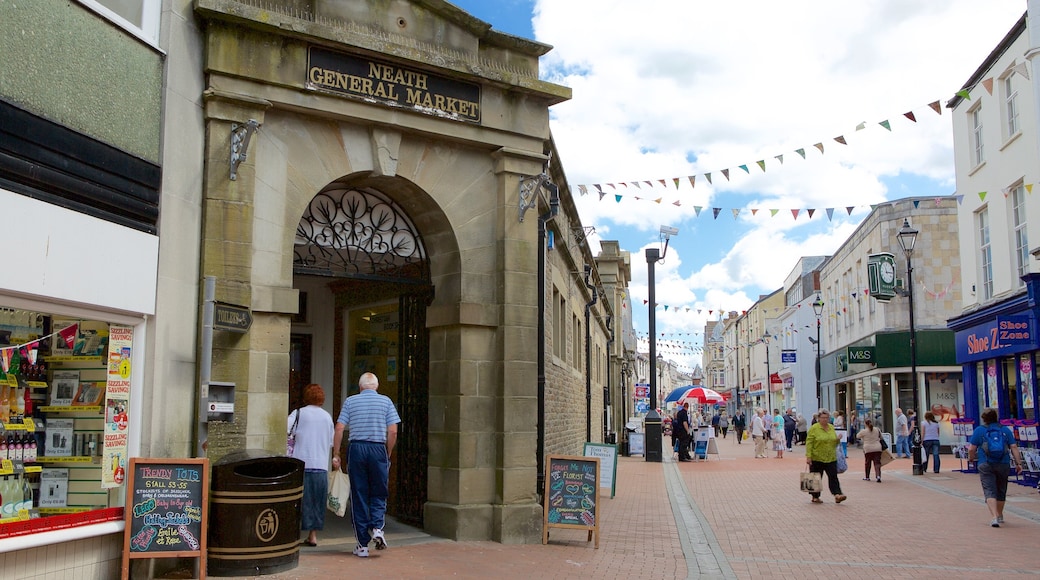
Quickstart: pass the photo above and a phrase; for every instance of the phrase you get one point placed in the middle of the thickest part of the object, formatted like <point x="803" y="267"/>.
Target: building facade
<point x="995" y="149"/>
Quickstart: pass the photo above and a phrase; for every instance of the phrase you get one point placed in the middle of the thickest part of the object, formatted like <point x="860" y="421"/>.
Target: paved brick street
<point x="740" y="518"/>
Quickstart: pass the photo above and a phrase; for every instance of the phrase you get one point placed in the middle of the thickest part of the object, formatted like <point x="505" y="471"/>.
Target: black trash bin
<point x="254" y="514"/>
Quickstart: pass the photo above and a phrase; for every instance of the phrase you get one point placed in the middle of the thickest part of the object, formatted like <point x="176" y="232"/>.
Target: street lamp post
<point x="817" y="307"/>
<point x="769" y="377"/>
<point x="652" y="422"/>
<point x="907" y="237"/>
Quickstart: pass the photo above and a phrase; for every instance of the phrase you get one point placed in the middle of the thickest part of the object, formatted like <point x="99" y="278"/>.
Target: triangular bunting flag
<point x="917" y="203"/>
<point x="874" y="206"/>
<point x="1029" y="188"/>
<point x="910" y="115"/>
<point x="693" y="181"/>
<point x="725" y="172"/>
<point x="830" y="213"/>
<point x="886" y="124"/>
<point x="598" y="188"/>
<point x="936" y="107"/>
<point x="611" y="186"/>
<point x="841" y="139"/>
<point x="861" y="126"/>
<point x="708" y="177"/>
<point x="938" y="201"/>
<point x="676" y="203"/>
<point x="773" y="212"/>
<point x="779" y="158"/>
<point x="794" y="212"/>
<point x="716" y="210"/>
<point x="761" y="164"/>
<point x="601" y="194"/>
<point x="744" y="167"/>
<point x="800" y="152"/>
<point x="849" y="208"/>
<point x="651" y="184"/>
<point x="988" y="85"/>
<point x="645" y="302"/>
<point x="658" y="200"/>
<point x="697" y="209"/>
<point x="754" y="211"/>
<point x="1021" y="69"/>
<point x="617" y="197"/>
<point x="675" y="179"/>
<point x="963" y="93"/>
<point x="960" y="199"/>
<point x="666" y="310"/>
<point x="819" y="146"/>
<point x="982" y="196"/>
<point x="583" y="190"/>
<point x="68" y="334"/>
<point x="810" y="211"/>
<point x="626" y="185"/>
<point x="735" y="212"/>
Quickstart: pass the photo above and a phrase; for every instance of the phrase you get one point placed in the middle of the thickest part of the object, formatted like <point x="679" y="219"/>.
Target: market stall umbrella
<point x="677" y="394"/>
<point x="702" y="395"/>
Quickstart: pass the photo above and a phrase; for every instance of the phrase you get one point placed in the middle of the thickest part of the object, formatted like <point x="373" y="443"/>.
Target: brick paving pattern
<point x="739" y="517"/>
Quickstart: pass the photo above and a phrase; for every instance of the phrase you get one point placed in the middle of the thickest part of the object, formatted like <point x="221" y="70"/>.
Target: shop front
<point x="998" y="350"/>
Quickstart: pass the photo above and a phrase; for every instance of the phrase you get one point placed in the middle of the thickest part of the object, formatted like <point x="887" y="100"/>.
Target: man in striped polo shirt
<point x="373" y="421"/>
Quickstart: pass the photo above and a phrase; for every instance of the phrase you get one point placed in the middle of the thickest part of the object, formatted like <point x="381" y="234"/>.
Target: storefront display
<point x="55" y="448"/>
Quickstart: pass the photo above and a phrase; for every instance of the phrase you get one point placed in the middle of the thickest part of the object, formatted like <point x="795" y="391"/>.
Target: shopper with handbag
<point x="312" y="428"/>
<point x="873" y="445"/>
<point x="821" y="454"/>
<point x="930" y="439"/>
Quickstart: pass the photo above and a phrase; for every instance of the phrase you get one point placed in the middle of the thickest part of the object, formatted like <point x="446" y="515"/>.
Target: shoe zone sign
<point x="1000" y="336"/>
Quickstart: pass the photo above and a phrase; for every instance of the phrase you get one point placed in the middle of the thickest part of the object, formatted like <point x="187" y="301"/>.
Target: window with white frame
<point x="977" y="151"/>
<point x="985" y="253"/>
<point x="1010" y="94"/>
<point x="1018" y="222"/>
<point x="141" y="17"/>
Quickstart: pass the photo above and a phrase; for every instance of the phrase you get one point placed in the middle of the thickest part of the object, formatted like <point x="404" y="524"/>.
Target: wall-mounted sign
<point x="393" y="85"/>
<point x="1014" y="329"/>
<point x="988" y="340"/>
<point x="789" y="357"/>
<point x="861" y="354"/>
<point x="232" y="318"/>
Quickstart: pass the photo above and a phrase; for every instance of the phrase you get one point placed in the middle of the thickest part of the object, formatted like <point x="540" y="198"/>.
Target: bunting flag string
<point x="935" y="106"/>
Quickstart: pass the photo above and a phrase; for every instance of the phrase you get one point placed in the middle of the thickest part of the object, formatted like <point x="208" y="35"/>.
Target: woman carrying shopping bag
<point x="821" y="454"/>
<point x="313" y="428"/>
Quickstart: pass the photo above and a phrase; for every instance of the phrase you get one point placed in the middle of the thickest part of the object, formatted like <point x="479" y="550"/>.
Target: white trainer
<point x="379" y="538"/>
<point x="361" y="551"/>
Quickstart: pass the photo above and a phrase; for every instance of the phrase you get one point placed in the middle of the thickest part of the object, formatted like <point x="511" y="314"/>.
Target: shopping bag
<point x="811" y="482"/>
<point x="339" y="492"/>
<point x="843" y="462"/>
<point x="745" y="435"/>
<point x="886" y="457"/>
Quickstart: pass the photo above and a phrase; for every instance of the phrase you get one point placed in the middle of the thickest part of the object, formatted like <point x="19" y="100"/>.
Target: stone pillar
<point x="227" y="249"/>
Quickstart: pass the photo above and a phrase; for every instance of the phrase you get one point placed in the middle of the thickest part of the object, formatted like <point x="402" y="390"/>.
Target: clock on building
<point x="888" y="272"/>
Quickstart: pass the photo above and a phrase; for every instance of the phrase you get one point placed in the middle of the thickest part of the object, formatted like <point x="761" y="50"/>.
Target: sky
<point x="789" y="98"/>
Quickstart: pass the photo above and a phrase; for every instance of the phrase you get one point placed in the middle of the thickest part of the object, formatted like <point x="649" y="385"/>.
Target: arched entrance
<point x="368" y="253"/>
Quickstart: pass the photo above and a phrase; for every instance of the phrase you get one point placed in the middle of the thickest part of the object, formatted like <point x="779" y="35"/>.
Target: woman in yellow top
<point x="821" y="454"/>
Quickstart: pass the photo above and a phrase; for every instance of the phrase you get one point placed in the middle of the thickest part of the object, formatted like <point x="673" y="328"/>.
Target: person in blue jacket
<point x="998" y="446"/>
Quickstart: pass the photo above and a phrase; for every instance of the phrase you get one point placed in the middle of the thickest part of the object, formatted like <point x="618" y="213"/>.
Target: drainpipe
<point x="588" y="354"/>
<point x="554" y="208"/>
<point x="607" y="425"/>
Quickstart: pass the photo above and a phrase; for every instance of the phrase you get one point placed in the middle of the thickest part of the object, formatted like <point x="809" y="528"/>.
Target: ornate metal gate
<point x="413" y="394"/>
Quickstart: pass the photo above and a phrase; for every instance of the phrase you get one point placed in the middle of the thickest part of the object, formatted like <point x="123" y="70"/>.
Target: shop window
<point x="1011" y="387"/>
<point x="140" y="17"/>
<point x="559" y="330"/>
<point x="1021" y="240"/>
<point x="65" y="409"/>
<point x="985" y="250"/>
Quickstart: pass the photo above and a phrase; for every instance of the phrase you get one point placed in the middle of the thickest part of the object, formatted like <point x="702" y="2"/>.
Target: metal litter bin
<point x="254" y="514"/>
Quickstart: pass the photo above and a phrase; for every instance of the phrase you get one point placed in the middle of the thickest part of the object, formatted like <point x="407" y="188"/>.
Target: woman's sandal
<point x="817" y="500"/>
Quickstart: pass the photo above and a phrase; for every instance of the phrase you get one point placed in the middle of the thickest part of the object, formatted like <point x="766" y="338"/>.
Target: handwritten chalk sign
<point x="571" y="492"/>
<point x="166" y="510"/>
<point x="607" y="454"/>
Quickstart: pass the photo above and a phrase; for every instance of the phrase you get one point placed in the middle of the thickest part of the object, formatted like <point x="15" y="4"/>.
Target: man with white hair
<point x="373" y="422"/>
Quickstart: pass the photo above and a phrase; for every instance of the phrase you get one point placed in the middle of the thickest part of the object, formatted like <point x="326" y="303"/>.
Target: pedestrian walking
<point x="871" y="440"/>
<point x="843" y="432"/>
<point x="790" y="424"/>
<point x="739" y="424"/>
<point x="821" y="455"/>
<point x="855" y="426"/>
<point x="373" y="422"/>
<point x="684" y="427"/>
<point x="930" y="440"/>
<point x="777" y="431"/>
<point x="998" y="446"/>
<point x="758" y="433"/>
<point x="314" y="432"/>
<point x="902" y="435"/>
<point x="724" y="424"/>
<point x="801" y="427"/>
<point x="715" y="423"/>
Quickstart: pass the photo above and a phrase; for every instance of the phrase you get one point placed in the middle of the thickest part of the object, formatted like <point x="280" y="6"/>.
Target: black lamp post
<point x="907" y="238"/>
<point x="652" y="422"/>
<point x="769" y="377"/>
<point x="817" y="307"/>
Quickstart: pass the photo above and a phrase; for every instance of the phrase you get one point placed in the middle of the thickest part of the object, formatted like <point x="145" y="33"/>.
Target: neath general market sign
<point x="393" y="85"/>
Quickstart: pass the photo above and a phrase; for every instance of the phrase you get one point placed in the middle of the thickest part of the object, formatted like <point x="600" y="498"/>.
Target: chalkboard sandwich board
<point x="166" y="510"/>
<point x="571" y="492"/>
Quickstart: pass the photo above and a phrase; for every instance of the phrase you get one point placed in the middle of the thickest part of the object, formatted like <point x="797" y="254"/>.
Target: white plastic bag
<point x="339" y="492"/>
